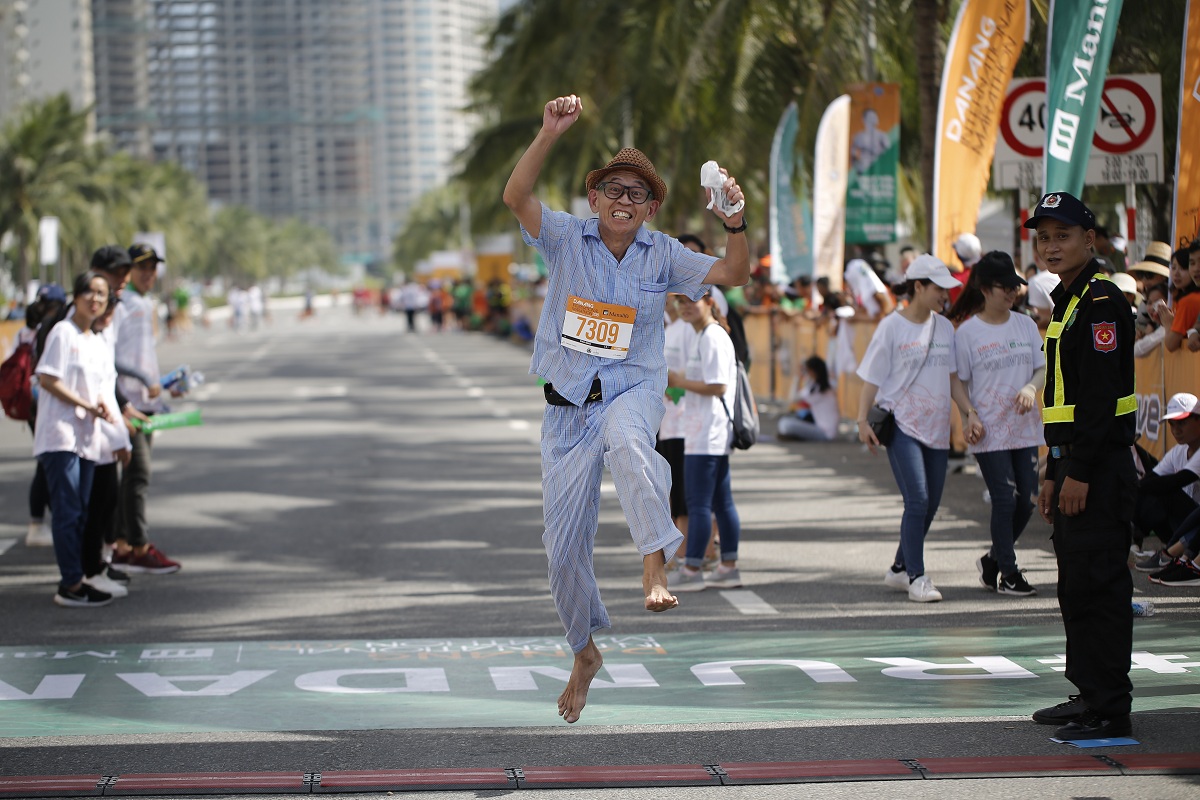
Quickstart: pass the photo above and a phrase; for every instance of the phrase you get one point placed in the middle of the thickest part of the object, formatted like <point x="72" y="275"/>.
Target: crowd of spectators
<point x="88" y="387"/>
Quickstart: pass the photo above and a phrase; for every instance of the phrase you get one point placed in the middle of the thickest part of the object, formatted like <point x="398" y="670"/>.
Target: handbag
<point x="883" y="423"/>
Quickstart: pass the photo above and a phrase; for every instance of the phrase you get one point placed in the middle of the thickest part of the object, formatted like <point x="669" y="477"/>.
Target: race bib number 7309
<point x="598" y="329"/>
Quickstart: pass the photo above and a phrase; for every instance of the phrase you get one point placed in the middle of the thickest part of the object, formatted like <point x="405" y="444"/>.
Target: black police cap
<point x="141" y="253"/>
<point x="1065" y="208"/>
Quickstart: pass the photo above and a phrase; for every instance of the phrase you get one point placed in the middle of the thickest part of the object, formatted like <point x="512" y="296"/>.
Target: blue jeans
<point x="709" y="492"/>
<point x="920" y="473"/>
<point x="69" y="478"/>
<point x="1011" y="478"/>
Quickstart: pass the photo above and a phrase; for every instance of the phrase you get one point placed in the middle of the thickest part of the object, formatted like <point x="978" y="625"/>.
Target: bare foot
<point x="654" y="583"/>
<point x="587" y="663"/>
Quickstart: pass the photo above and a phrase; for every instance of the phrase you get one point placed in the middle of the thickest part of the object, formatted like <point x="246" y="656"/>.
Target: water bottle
<point x="172" y="380"/>
<point x="1143" y="608"/>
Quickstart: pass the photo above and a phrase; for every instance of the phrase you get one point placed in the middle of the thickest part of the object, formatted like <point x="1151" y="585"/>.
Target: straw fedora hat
<point x="632" y="160"/>
<point x="1157" y="260"/>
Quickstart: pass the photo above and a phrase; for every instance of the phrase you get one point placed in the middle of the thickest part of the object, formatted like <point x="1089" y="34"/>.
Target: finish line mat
<point x="676" y="678"/>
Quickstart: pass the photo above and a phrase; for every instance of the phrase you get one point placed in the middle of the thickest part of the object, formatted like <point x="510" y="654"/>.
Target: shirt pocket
<point x="651" y="299"/>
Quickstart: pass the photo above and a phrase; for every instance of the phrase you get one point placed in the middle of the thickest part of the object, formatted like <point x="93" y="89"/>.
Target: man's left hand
<point x="733" y="193"/>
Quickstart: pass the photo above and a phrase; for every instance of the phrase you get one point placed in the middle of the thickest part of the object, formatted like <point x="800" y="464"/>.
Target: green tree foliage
<point x="690" y="80"/>
<point x="47" y="168"/>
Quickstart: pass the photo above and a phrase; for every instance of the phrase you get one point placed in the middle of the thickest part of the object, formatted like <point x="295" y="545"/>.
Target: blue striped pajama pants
<point x="577" y="443"/>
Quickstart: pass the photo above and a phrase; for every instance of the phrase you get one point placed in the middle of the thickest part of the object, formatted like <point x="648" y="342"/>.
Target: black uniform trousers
<point x="1095" y="588"/>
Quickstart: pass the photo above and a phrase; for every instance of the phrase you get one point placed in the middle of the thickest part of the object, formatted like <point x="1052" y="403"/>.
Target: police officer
<point x="1088" y="494"/>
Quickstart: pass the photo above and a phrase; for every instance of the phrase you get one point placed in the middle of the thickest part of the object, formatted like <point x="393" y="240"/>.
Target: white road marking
<point x="474" y="391"/>
<point x="748" y="602"/>
<point x="312" y="392"/>
<point x="518" y="424"/>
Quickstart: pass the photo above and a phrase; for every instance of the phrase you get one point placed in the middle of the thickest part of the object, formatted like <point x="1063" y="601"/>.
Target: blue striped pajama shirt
<point x="579" y="441"/>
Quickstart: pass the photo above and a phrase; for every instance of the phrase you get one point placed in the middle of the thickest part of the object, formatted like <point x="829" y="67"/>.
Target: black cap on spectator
<point x="1064" y="208"/>
<point x="111" y="258"/>
<point x="142" y="253"/>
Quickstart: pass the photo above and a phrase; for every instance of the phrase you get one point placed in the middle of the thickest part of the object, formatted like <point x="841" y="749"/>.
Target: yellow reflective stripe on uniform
<point x="1060" y="411"/>
<point x="1126" y="405"/>
<point x="1054" y="332"/>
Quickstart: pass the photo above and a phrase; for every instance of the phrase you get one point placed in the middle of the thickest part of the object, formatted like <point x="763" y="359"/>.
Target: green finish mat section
<point x="676" y="678"/>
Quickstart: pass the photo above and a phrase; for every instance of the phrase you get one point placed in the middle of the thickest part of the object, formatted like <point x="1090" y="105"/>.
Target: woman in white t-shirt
<point x="814" y="415"/>
<point x="74" y="373"/>
<point x="676" y="341"/>
<point x="909" y="369"/>
<point x="710" y="383"/>
<point x="1000" y="361"/>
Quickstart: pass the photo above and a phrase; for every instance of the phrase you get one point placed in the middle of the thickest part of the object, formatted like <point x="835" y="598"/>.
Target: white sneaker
<point x="684" y="580"/>
<point x="39" y="535"/>
<point x="896" y="580"/>
<point x="722" y="578"/>
<point x="107" y="585"/>
<point x="922" y="590"/>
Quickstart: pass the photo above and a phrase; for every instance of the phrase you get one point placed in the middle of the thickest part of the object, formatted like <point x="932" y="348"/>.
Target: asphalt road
<point x="354" y="483"/>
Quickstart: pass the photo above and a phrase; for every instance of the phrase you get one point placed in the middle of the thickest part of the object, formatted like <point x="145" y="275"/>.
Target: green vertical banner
<point x="1078" y="46"/>
<point x="874" y="161"/>
<point x="791" y="212"/>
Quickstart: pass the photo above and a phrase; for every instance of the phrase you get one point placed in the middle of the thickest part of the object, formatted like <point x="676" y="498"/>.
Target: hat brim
<point x="656" y="184"/>
<point x="1177" y="415"/>
<point x="1013" y="281"/>
<point x="1060" y="216"/>
<point x="944" y="281"/>
<point x="1152" y="267"/>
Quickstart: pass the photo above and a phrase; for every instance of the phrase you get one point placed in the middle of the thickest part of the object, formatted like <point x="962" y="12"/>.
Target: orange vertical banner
<point x="1186" y="221"/>
<point x="980" y="59"/>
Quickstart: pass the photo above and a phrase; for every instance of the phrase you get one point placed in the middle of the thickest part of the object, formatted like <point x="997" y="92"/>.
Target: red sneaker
<point x="152" y="561"/>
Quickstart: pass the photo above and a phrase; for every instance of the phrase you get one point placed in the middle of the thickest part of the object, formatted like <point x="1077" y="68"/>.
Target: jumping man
<point x="599" y="346"/>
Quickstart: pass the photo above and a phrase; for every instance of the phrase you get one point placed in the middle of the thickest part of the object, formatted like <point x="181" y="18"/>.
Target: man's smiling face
<point x="622" y="216"/>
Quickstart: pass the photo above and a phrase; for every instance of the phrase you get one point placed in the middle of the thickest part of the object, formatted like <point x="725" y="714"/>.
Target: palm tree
<point x="48" y="169"/>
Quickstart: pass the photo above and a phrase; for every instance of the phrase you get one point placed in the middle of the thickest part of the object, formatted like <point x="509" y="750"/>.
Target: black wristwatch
<point x="738" y="229"/>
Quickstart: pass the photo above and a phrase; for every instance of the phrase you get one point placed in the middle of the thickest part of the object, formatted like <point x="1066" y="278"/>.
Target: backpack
<point x="16" y="392"/>
<point x="745" y="412"/>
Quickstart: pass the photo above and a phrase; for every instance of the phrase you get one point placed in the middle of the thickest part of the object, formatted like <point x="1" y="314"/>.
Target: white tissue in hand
<point x="711" y="178"/>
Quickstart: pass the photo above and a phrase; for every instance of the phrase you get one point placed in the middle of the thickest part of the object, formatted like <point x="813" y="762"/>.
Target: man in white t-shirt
<point x="969" y="250"/>
<point x="1038" y="298"/>
<point x="870" y="295"/>
<point x="135" y="345"/>
<point x="1169" y="496"/>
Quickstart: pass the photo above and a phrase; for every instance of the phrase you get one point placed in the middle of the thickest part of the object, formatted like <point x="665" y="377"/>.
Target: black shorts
<point x="672" y="451"/>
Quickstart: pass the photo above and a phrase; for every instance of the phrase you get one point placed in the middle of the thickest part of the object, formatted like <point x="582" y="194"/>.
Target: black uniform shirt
<point x="1097" y="370"/>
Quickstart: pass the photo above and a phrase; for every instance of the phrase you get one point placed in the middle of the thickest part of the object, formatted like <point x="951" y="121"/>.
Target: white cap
<point x="931" y="268"/>
<point x="1181" y="405"/>
<point x="968" y="247"/>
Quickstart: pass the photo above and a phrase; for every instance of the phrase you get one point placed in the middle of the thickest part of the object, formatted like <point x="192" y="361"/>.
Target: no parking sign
<point x="1127" y="146"/>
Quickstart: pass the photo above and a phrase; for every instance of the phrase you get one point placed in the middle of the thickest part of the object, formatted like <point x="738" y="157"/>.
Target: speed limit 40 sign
<point x="1127" y="146"/>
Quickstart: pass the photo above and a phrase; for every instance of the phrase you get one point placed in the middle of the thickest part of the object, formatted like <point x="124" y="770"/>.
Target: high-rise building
<point x="427" y="52"/>
<point x="339" y="112"/>
<point x="45" y="49"/>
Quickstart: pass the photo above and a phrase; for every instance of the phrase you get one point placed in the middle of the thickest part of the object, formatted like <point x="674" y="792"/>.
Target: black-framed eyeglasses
<point x="613" y="191"/>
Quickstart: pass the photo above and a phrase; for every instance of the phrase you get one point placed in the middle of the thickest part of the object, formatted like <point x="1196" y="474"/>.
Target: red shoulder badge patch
<point x="1104" y="336"/>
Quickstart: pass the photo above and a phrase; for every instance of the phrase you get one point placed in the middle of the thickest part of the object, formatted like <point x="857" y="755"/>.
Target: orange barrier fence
<point x="8" y="336"/>
<point x="779" y="346"/>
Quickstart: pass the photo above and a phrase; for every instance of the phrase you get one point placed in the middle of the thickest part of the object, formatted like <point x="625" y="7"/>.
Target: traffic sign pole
<point x="1131" y="216"/>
